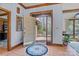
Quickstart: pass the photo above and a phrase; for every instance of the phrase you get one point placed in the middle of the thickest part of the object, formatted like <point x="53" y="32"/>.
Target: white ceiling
<point x="30" y="4"/>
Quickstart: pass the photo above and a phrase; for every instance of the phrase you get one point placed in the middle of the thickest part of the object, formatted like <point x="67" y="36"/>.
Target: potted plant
<point x="66" y="39"/>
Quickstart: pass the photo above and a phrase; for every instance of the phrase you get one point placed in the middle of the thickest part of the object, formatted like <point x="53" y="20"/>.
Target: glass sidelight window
<point x="76" y="28"/>
<point x="48" y="30"/>
<point x="69" y="28"/>
<point x="72" y="28"/>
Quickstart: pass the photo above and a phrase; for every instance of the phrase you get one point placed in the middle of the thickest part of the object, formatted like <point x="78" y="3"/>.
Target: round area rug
<point x="37" y="50"/>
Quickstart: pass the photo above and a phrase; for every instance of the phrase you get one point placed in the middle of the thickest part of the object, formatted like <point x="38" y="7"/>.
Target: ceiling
<point x="30" y="4"/>
<point x="34" y="5"/>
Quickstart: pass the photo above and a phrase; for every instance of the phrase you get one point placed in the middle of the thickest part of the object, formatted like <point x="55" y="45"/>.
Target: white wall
<point x="15" y="36"/>
<point x="57" y="21"/>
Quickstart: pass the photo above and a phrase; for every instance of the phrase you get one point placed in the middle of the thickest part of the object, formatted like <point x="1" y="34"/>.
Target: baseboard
<point x="27" y="43"/>
<point x="31" y="43"/>
<point x="17" y="45"/>
<point x="56" y="44"/>
<point x="40" y="40"/>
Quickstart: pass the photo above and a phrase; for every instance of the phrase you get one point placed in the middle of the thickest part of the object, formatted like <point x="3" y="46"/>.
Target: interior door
<point x="29" y="30"/>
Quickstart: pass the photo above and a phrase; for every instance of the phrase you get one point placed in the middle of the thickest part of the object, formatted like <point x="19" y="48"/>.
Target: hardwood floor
<point x="52" y="51"/>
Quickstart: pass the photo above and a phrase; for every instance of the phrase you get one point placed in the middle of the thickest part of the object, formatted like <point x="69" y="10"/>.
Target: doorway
<point x="43" y="26"/>
<point x="5" y="27"/>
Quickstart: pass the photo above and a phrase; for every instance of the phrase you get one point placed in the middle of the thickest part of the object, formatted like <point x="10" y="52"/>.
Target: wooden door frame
<point x="51" y="15"/>
<point x="48" y="12"/>
<point x="8" y="14"/>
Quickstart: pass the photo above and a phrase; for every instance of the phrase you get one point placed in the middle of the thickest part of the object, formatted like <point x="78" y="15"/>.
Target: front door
<point x="29" y="30"/>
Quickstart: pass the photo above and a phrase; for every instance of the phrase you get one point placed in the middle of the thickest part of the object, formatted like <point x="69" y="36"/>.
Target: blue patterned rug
<point x="36" y="50"/>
